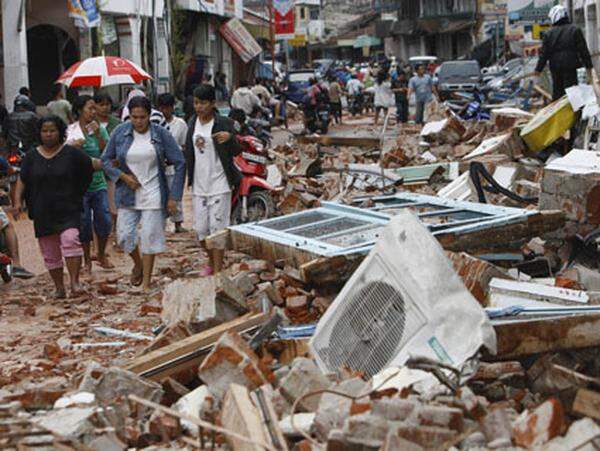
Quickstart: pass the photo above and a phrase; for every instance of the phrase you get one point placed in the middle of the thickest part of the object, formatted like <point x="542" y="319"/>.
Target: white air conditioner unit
<point x="404" y="300"/>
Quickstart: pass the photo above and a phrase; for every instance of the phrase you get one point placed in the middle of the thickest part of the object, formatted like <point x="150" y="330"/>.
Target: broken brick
<point x="538" y="427"/>
<point x="233" y="361"/>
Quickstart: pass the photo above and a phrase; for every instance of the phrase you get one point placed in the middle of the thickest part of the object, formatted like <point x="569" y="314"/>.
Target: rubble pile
<point x="478" y="239"/>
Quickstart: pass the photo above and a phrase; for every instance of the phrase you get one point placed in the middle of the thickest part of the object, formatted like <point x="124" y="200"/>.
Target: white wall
<point x="15" y="51"/>
<point x="131" y="7"/>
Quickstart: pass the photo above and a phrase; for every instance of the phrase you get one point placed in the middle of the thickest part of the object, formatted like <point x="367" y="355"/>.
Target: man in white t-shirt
<point x="210" y="147"/>
<point x="179" y="129"/>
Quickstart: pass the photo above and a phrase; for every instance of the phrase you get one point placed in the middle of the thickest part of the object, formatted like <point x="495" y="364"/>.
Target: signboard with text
<point x="240" y="40"/>
<point x="284" y="19"/>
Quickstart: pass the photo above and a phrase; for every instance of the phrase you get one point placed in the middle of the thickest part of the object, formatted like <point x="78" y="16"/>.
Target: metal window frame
<point x="495" y="216"/>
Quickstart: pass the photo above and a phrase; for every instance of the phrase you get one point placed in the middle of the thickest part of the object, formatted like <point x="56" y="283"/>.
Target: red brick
<point x="233" y="361"/>
<point x="538" y="427"/>
<point x="426" y="436"/>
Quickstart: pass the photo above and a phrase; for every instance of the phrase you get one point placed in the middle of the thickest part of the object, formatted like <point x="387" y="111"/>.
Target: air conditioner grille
<point x="367" y="335"/>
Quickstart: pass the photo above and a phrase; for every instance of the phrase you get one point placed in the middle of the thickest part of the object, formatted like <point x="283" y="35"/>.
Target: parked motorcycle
<point x="15" y="159"/>
<point x="5" y="260"/>
<point x="317" y="119"/>
<point x="356" y="104"/>
<point x="256" y="127"/>
<point x="252" y="200"/>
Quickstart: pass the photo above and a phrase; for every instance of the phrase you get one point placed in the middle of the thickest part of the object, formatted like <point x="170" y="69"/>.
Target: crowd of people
<point x="89" y="173"/>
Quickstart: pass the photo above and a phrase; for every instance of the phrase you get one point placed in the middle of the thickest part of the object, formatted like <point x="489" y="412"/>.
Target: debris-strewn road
<point x="38" y="333"/>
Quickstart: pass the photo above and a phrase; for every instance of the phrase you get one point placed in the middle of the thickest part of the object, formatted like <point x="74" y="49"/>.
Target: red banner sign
<point x="284" y="19"/>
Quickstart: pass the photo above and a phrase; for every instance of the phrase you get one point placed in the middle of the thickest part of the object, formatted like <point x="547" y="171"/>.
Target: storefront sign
<point x="240" y="40"/>
<point x="84" y="13"/>
<point x="298" y="41"/>
<point x="284" y="19"/>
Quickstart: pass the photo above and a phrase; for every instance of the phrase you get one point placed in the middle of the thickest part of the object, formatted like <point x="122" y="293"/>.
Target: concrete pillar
<point x="85" y="43"/>
<point x="596" y="59"/>
<point x="130" y="47"/>
<point x="163" y="71"/>
<point x="14" y="38"/>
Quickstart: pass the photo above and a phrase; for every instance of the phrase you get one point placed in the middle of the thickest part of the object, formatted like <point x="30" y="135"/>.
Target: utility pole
<point x="272" y="35"/>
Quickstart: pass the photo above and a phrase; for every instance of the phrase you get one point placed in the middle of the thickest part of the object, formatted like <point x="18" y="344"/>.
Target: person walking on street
<point x="400" y="88"/>
<point x="243" y="99"/>
<point x="384" y="96"/>
<point x="59" y="105"/>
<point x="178" y="128"/>
<point x="104" y="114"/>
<point x="104" y="108"/>
<point x="210" y="147"/>
<point x="21" y="126"/>
<point x="135" y="158"/>
<point x="565" y="48"/>
<point x="91" y="137"/>
<point x="221" y="87"/>
<point x="422" y="86"/>
<point x="53" y="180"/>
<point x="335" y="99"/>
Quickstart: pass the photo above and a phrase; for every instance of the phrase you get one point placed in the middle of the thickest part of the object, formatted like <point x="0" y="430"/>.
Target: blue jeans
<point x="420" y="113"/>
<point x="96" y="212"/>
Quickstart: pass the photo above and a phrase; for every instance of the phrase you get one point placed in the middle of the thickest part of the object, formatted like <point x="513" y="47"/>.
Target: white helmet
<point x="557" y="13"/>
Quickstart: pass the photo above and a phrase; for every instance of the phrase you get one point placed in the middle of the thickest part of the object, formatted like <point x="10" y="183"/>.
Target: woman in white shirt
<point x="384" y="96"/>
<point x="136" y="157"/>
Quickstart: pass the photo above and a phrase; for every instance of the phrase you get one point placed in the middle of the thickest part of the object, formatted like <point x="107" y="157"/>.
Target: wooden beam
<point x="241" y="415"/>
<point x="333" y="140"/>
<point x="329" y="270"/>
<point x="587" y="404"/>
<point x="530" y="227"/>
<point x="517" y="338"/>
<point x="188" y="353"/>
<point x="219" y="240"/>
<point x="269" y="250"/>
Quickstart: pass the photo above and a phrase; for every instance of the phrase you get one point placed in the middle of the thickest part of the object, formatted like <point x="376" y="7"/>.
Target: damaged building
<point x="446" y="29"/>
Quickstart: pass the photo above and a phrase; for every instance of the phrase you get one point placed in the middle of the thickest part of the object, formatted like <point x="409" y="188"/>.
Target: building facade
<point x="444" y="28"/>
<point x="40" y="41"/>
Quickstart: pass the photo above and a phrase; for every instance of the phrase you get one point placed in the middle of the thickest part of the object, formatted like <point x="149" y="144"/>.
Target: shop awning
<point x="444" y="25"/>
<point x="240" y="40"/>
<point x="366" y="41"/>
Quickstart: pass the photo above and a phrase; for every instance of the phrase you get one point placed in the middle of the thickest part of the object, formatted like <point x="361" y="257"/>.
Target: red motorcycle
<point x="252" y="200"/>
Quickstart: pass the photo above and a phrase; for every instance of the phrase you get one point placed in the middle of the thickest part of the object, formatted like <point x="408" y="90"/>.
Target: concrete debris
<point x="540" y="426"/>
<point x="304" y="377"/>
<point x="225" y="362"/>
<point x="232" y="361"/>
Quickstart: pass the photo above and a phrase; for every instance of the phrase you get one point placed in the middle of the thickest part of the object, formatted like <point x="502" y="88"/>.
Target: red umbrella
<point x="103" y="71"/>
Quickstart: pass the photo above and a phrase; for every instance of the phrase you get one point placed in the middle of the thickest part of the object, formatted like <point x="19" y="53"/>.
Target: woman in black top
<point x="53" y="180"/>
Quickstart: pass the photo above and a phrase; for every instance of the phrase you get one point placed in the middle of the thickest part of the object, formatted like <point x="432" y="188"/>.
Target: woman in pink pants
<point x="54" y="177"/>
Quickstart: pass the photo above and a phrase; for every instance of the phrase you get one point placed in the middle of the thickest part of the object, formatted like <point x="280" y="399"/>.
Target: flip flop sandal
<point x="137" y="277"/>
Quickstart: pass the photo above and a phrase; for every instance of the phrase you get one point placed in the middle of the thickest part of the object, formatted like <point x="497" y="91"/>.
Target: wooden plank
<point x="329" y="270"/>
<point x="219" y="240"/>
<point x="270" y="251"/>
<point x="333" y="140"/>
<point x="520" y="338"/>
<point x="480" y="240"/>
<point x="158" y="360"/>
<point x="241" y="415"/>
<point x="587" y="403"/>
<point x="262" y="398"/>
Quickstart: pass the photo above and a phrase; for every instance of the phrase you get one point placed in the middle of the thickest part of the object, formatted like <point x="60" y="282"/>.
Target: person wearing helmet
<point x="565" y="48"/>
